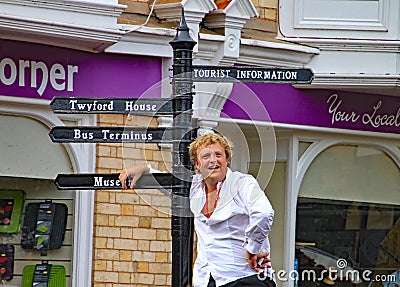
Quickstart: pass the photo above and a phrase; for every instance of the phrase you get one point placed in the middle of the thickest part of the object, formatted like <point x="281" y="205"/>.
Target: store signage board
<point x="251" y="75"/>
<point x="83" y="134"/>
<point x="140" y="106"/>
<point x="111" y="181"/>
<point x="51" y="71"/>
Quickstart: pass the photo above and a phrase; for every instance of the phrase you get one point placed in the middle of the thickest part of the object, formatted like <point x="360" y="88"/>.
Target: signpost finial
<point x="182" y="38"/>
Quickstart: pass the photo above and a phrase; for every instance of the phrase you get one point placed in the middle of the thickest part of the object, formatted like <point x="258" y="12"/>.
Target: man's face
<point x="212" y="162"/>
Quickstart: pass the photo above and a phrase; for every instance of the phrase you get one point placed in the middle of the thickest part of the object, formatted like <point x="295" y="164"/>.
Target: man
<point x="232" y="218"/>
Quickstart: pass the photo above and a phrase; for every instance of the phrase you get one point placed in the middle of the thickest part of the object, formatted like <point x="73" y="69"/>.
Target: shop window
<point x="348" y="218"/>
<point x="26" y="255"/>
<point x="275" y="191"/>
<point x="29" y="236"/>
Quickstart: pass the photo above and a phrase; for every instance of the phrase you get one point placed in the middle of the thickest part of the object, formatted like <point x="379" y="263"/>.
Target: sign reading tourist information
<point x="110" y="181"/>
<point x="251" y="75"/>
<point x="143" y="106"/>
<point x="110" y="134"/>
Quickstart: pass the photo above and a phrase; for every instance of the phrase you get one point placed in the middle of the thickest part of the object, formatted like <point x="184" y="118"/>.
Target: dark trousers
<point x="251" y="281"/>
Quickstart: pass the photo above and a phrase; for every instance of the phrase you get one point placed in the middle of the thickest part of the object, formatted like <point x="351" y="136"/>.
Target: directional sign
<point x="140" y="106"/>
<point x="251" y="75"/>
<point x="111" y="181"/>
<point x="110" y="134"/>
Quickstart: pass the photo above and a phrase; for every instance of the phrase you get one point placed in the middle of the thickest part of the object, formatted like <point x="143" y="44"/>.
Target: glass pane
<point x="348" y="218"/>
<point x="303" y="146"/>
<point x="353" y="173"/>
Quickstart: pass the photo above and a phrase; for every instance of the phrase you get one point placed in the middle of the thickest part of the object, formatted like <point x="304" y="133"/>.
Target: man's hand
<point x="259" y="261"/>
<point x="134" y="172"/>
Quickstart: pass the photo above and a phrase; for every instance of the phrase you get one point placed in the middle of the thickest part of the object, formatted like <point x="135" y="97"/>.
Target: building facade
<point x="327" y="153"/>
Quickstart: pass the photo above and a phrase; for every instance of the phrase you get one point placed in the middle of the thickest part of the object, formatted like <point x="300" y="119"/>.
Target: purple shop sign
<point x="43" y="72"/>
<point x="320" y="108"/>
<point x="39" y="71"/>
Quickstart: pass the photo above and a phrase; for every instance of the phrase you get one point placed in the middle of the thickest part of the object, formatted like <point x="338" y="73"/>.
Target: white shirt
<point x="241" y="221"/>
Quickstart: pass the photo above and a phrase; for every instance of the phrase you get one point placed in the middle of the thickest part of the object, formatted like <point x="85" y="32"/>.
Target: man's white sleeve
<point x="261" y="215"/>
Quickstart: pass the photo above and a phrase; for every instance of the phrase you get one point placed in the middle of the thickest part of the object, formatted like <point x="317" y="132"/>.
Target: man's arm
<point x="133" y="172"/>
<point x="261" y="215"/>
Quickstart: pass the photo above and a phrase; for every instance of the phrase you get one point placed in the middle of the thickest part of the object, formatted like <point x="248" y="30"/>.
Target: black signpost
<point x="182" y="169"/>
<point x="181" y="135"/>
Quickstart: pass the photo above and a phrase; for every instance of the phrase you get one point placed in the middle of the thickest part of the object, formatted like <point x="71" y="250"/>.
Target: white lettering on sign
<point x="100" y="182"/>
<point x="89" y="107"/>
<point x="131" y="106"/>
<point x="107" y="135"/>
<point x="217" y="74"/>
<point x="78" y="134"/>
<point x="376" y="120"/>
<point x="372" y="118"/>
<point x="267" y="75"/>
<point x="60" y="78"/>
<point x="338" y="115"/>
<point x="12" y="74"/>
<point x="260" y="75"/>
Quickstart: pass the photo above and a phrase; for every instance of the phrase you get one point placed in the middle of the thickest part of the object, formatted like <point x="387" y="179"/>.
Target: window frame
<point x="317" y="19"/>
<point x="83" y="159"/>
<point x="298" y="165"/>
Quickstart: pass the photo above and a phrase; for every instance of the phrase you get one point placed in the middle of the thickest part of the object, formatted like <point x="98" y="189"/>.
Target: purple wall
<point x="282" y="103"/>
<point x="40" y="71"/>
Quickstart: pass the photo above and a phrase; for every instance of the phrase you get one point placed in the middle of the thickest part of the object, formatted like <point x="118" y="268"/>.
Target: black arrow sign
<point x="251" y="75"/>
<point x="140" y="106"/>
<point x="111" y="181"/>
<point x="110" y="134"/>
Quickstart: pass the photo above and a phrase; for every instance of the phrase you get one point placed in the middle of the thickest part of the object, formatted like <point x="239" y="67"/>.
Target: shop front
<point x="333" y="179"/>
<point x="30" y="76"/>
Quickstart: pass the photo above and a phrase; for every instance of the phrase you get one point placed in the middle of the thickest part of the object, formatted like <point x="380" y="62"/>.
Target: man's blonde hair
<point x="209" y="139"/>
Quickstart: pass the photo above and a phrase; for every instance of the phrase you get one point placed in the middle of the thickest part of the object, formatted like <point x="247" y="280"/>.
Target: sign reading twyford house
<point x="144" y="106"/>
<point x="251" y="75"/>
